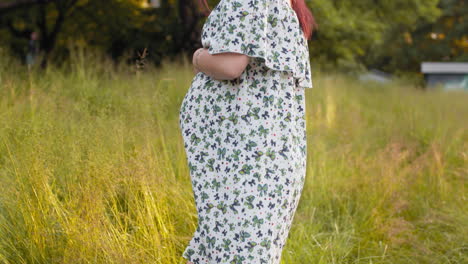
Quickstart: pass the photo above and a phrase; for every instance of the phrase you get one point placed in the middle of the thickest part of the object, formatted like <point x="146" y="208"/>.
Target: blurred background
<point x="93" y="166"/>
<point x="387" y="38"/>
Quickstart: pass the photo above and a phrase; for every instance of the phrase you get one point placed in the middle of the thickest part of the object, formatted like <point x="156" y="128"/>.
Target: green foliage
<point x="93" y="169"/>
<point x="442" y="39"/>
<point x="120" y="28"/>
<point x="350" y="31"/>
<point x="394" y="36"/>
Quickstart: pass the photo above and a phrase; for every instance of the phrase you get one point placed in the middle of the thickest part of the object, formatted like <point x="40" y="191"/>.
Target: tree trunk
<point x="189" y="15"/>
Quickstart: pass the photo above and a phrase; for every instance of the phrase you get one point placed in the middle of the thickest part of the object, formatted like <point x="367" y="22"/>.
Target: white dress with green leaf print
<point x="245" y="139"/>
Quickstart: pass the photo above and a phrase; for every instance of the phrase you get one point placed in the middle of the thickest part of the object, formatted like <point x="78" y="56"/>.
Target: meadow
<point x="93" y="169"/>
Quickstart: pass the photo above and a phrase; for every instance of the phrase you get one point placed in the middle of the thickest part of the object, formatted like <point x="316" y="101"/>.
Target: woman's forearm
<point x="222" y="66"/>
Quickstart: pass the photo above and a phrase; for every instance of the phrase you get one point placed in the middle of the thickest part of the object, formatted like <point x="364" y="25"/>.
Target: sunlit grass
<point x="93" y="170"/>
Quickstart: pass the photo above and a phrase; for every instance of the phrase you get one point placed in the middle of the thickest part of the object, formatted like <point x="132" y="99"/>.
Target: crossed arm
<point x="221" y="66"/>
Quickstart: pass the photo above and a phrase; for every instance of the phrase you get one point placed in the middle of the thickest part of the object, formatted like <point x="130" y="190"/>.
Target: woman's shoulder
<point x="267" y="29"/>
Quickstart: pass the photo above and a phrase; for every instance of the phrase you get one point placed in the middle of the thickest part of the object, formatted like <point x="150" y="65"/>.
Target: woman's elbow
<point x="236" y="72"/>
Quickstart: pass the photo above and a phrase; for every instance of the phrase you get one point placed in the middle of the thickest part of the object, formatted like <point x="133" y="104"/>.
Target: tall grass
<point x="93" y="170"/>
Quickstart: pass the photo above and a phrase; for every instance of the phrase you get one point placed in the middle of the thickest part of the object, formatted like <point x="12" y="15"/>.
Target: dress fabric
<point x="245" y="139"/>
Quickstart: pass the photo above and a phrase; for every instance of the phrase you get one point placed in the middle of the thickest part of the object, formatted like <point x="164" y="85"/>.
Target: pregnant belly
<point x="191" y="100"/>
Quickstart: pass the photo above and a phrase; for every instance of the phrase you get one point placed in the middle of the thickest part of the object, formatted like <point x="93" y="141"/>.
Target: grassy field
<point x="93" y="170"/>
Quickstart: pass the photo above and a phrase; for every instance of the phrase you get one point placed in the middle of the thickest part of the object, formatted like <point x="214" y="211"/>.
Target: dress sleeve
<point x="266" y="29"/>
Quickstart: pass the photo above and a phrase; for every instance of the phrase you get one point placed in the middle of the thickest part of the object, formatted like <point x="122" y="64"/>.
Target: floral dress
<point x="245" y="139"/>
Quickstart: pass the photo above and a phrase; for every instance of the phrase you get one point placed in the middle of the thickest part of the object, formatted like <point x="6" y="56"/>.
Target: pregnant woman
<point x="243" y="125"/>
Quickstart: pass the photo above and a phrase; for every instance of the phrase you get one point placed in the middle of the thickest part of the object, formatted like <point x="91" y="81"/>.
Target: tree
<point x="352" y="31"/>
<point x="48" y="31"/>
<point x="442" y="39"/>
<point x="115" y="26"/>
<point x="352" y="35"/>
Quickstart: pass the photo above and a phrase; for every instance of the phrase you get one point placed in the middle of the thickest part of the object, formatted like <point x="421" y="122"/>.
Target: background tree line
<point x="393" y="36"/>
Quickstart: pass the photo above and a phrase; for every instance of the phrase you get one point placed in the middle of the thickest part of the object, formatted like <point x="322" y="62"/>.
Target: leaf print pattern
<point x="245" y="141"/>
<point x="265" y="29"/>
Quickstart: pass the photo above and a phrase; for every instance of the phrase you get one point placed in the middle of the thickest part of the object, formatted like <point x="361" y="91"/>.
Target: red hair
<point x="305" y="16"/>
